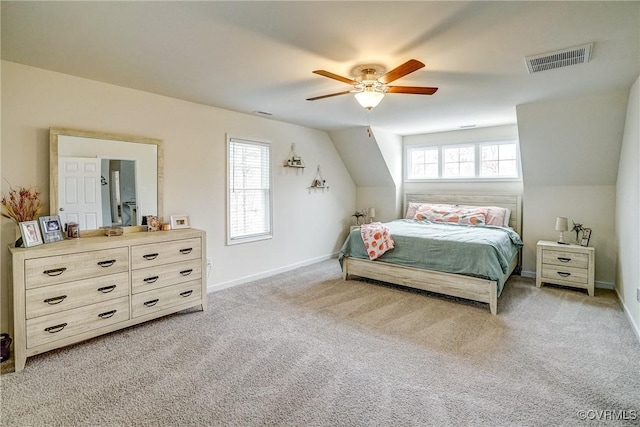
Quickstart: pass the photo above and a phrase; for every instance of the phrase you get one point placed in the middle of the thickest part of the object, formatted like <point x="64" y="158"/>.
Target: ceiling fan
<point x="371" y="83"/>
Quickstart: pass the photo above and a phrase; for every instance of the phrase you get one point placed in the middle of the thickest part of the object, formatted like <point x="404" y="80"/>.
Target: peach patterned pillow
<point x="475" y="216"/>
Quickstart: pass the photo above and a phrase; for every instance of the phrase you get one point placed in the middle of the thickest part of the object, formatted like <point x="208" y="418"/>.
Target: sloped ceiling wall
<point x="572" y="141"/>
<point x="362" y="157"/>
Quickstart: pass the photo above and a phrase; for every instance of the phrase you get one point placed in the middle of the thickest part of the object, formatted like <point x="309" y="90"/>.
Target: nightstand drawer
<point x="565" y="259"/>
<point x="556" y="274"/>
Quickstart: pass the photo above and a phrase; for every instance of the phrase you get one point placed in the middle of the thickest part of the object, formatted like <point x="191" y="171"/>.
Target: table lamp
<point x="562" y="225"/>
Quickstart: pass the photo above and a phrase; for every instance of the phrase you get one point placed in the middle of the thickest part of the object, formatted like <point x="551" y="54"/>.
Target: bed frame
<point x="456" y="285"/>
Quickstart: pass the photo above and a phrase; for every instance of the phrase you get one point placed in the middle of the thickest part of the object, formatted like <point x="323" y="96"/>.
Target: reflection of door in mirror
<point x="144" y="194"/>
<point x="79" y="197"/>
<point x="119" y="192"/>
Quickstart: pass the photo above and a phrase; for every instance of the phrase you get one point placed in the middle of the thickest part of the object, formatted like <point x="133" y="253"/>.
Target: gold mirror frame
<point x="53" y="168"/>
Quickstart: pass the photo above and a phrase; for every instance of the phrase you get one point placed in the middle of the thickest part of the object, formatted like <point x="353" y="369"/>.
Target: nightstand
<point x="354" y="227"/>
<point x="567" y="265"/>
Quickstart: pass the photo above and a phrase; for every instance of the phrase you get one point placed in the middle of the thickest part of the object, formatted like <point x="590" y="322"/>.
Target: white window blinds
<point x="249" y="190"/>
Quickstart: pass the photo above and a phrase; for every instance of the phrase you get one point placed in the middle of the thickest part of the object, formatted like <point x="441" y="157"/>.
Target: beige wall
<point x="627" y="217"/>
<point x="307" y="225"/>
<point x="570" y="151"/>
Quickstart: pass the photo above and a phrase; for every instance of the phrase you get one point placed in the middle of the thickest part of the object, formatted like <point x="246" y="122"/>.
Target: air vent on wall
<point x="558" y="59"/>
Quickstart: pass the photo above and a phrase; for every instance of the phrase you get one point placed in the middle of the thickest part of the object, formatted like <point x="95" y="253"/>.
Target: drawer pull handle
<point x="151" y="303"/>
<point x="107" y="263"/>
<point x="186" y="272"/>
<point x="107" y="314"/>
<point x="54" y="329"/>
<point x="107" y="289"/>
<point x="149" y="257"/>
<point x="186" y="293"/>
<point x="152" y="279"/>
<point x="563" y="274"/>
<point x="55" y="271"/>
<point x="186" y="251"/>
<point x="55" y="300"/>
<point x="561" y="259"/>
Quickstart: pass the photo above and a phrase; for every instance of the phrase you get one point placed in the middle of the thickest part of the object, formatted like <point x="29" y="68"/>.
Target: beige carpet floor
<point x="305" y="348"/>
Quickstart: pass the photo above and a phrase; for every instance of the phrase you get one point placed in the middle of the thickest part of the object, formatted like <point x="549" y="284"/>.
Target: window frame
<point x="231" y="240"/>
<point x="477" y="162"/>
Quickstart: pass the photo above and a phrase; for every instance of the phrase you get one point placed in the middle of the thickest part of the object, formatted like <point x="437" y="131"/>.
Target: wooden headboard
<point x="513" y="202"/>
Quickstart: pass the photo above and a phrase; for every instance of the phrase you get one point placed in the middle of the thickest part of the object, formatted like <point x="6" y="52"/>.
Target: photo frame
<point x="30" y="231"/>
<point x="153" y="223"/>
<point x="180" y="221"/>
<point x="586" y="235"/>
<point x="51" y="228"/>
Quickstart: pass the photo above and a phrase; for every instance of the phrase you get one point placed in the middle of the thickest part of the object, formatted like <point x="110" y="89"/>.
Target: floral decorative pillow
<point x="495" y="215"/>
<point x="414" y="207"/>
<point x="475" y="216"/>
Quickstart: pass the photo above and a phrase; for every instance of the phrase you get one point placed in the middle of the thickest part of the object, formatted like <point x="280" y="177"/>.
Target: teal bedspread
<point x="479" y="251"/>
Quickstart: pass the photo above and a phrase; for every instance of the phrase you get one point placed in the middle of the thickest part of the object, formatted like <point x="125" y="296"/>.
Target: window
<point x="477" y="161"/>
<point x="459" y="162"/>
<point x="424" y="163"/>
<point x="498" y="160"/>
<point x="249" y="190"/>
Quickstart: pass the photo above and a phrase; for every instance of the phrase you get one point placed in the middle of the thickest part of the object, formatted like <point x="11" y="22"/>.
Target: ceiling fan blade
<point x="408" y="67"/>
<point x="328" y="96"/>
<point x="417" y="90"/>
<point x="335" y="77"/>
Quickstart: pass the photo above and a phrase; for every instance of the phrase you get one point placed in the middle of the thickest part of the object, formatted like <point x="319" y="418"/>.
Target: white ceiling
<point x="259" y="56"/>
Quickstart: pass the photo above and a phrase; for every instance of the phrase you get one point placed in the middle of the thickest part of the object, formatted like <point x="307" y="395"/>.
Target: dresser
<point x="70" y="291"/>
<point x="567" y="265"/>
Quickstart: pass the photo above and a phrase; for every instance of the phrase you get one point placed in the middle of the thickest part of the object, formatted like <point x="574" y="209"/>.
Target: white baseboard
<point x="269" y="273"/>
<point x="634" y="326"/>
<point x="598" y="284"/>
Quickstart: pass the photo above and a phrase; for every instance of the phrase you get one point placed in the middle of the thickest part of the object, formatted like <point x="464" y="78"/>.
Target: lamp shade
<point x="369" y="98"/>
<point x="562" y="224"/>
<point x="372" y="213"/>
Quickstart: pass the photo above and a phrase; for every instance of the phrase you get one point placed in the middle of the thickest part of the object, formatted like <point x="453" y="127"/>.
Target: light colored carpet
<point x="305" y="348"/>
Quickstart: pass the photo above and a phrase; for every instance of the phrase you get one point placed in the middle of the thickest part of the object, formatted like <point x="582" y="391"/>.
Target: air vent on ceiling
<point x="558" y="59"/>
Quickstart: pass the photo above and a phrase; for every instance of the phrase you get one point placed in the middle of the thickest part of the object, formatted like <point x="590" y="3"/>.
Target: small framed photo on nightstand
<point x="586" y="235"/>
<point x="51" y="228"/>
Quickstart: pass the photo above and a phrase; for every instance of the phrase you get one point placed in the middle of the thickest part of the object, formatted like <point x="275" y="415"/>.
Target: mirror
<point x="103" y="179"/>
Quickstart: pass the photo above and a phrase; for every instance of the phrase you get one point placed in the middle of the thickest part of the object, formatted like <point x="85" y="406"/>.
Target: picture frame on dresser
<point x="51" y="228"/>
<point x="586" y="236"/>
<point x="180" y="221"/>
<point x="30" y="232"/>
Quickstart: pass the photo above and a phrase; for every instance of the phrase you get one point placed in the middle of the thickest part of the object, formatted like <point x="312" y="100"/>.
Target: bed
<point x="446" y="276"/>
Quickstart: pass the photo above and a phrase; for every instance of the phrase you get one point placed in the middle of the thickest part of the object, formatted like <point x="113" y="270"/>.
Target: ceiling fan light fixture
<point x="369" y="98"/>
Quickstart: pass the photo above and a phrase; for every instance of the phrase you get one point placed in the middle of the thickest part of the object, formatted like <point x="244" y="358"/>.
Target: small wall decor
<point x="51" y="228"/>
<point x="294" y="161"/>
<point x="30" y="233"/>
<point x="180" y="221"/>
<point x="318" y="182"/>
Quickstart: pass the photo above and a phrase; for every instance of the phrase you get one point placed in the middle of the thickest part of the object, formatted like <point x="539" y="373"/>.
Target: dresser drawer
<point x="562" y="258"/>
<point x="66" y="268"/>
<point x="65" y="296"/>
<point x="149" y="302"/>
<point x="560" y="274"/>
<point x="153" y="254"/>
<point x="146" y="279"/>
<point x="46" y="329"/>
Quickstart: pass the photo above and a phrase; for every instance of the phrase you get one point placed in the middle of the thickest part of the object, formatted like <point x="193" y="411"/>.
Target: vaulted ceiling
<point x="259" y="56"/>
